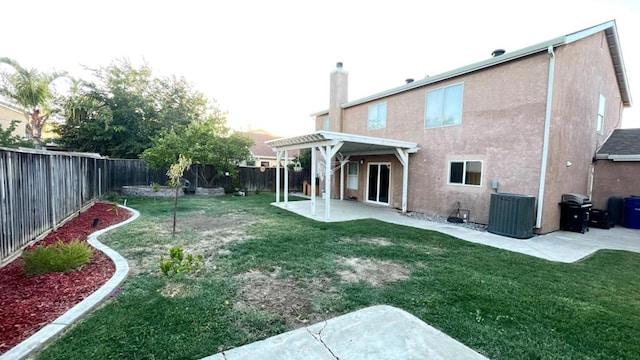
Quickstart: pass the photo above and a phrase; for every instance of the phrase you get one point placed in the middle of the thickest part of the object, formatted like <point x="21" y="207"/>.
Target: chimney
<point x="338" y="95"/>
<point x="497" y="52"/>
<point x="409" y="80"/>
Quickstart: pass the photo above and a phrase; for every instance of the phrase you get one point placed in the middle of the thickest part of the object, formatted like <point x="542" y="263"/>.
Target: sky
<point x="267" y="63"/>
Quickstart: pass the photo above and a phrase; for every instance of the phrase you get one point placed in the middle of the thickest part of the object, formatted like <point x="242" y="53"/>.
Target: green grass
<point x="502" y="304"/>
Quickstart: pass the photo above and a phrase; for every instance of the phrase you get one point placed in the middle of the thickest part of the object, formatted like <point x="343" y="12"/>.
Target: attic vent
<point x="497" y="52"/>
<point x="409" y="80"/>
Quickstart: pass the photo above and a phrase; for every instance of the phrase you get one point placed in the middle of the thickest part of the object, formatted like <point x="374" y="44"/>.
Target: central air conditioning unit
<point x="512" y="215"/>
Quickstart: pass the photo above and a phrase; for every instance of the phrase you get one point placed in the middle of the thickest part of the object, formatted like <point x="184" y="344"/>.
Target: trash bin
<point x="632" y="212"/>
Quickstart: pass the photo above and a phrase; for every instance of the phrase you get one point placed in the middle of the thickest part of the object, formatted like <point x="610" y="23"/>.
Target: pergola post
<point x="286" y="178"/>
<point x="403" y="157"/>
<point x="314" y="159"/>
<point x="343" y="162"/>
<point x="278" y="154"/>
<point x="327" y="183"/>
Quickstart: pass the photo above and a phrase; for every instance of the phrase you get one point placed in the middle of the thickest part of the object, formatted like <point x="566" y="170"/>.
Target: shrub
<point x="155" y="187"/>
<point x="57" y="257"/>
<point x="177" y="265"/>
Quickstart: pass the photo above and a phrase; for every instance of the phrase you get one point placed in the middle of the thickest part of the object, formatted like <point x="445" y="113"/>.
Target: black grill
<point x="574" y="213"/>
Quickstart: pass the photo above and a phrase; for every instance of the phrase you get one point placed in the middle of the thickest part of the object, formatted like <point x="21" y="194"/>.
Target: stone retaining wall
<point x="210" y="191"/>
<point x="163" y="191"/>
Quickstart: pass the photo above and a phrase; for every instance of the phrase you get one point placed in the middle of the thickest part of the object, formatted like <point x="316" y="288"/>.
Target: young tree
<point x="175" y="173"/>
<point x="32" y="90"/>
<point x="206" y="143"/>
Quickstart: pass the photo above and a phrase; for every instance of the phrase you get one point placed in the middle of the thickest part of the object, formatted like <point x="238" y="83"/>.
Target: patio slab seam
<point x="50" y="331"/>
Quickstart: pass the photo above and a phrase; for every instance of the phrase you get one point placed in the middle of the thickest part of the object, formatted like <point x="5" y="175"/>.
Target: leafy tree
<point x="7" y="139"/>
<point x="304" y="158"/>
<point x="125" y="108"/>
<point x="206" y="143"/>
<point x="32" y="90"/>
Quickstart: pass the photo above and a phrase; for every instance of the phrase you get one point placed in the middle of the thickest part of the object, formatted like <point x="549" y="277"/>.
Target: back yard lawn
<point x="267" y="271"/>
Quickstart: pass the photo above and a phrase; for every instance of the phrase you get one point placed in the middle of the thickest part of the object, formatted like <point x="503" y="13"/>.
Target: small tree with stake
<point x="174" y="173"/>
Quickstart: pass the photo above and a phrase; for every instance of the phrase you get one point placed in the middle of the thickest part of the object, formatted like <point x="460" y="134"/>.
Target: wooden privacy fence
<point x="39" y="189"/>
<point x="136" y="172"/>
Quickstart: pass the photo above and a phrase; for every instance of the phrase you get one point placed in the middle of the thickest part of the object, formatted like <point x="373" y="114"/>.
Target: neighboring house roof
<point x="622" y="145"/>
<point x="11" y="106"/>
<point x="608" y="27"/>
<point x="260" y="148"/>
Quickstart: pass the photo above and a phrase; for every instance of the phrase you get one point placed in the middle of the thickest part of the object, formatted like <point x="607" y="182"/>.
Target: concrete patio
<point x="561" y="246"/>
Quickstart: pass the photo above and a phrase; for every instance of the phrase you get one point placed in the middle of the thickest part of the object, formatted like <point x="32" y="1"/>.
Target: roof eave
<point x="608" y="27"/>
<point x="543" y="46"/>
<point x="635" y="157"/>
<point x="323" y="112"/>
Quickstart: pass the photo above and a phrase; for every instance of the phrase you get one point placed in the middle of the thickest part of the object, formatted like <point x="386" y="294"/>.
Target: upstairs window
<point x="465" y="172"/>
<point x="600" y="121"/>
<point x="325" y="124"/>
<point x="443" y="106"/>
<point x="377" y="116"/>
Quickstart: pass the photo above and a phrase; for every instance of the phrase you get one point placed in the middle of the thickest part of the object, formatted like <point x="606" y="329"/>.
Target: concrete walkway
<point x="49" y="332"/>
<point x="560" y="246"/>
<point x="377" y="332"/>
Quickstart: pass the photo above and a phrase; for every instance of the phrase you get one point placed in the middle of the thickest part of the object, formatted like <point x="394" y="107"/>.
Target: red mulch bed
<point x="28" y="304"/>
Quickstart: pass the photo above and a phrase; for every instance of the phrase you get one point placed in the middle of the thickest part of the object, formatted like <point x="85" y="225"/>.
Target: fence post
<point x="54" y="224"/>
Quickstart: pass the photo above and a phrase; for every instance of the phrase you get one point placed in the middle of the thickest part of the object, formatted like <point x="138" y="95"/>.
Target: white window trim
<point x="350" y="176"/>
<point x="426" y="94"/>
<point x="464" y="168"/>
<point x="386" y="107"/>
<point x="601" y="114"/>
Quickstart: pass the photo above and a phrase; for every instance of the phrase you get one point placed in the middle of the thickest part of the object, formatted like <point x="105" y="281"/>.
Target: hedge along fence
<point x="40" y="189"/>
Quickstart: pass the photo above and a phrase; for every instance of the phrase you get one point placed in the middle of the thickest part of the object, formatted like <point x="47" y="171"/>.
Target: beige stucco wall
<point x="7" y="115"/>
<point x="615" y="179"/>
<point x="502" y="125"/>
<point x="584" y="70"/>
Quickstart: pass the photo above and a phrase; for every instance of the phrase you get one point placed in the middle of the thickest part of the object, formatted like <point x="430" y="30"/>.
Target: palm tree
<point x="30" y="89"/>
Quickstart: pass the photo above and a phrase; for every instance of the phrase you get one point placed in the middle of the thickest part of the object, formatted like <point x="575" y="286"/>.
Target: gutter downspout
<point x="545" y="141"/>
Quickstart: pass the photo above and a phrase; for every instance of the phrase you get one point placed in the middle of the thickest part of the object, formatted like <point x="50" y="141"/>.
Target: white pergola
<point x="341" y="146"/>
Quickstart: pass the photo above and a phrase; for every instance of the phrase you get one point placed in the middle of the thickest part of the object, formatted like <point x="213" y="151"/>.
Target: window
<point x="352" y="176"/>
<point x="264" y="163"/>
<point x="325" y="124"/>
<point x="600" y="121"/>
<point x="465" y="172"/>
<point x="377" y="116"/>
<point x="443" y="106"/>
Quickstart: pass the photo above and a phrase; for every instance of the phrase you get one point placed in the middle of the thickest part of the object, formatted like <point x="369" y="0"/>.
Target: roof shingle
<point x="621" y="142"/>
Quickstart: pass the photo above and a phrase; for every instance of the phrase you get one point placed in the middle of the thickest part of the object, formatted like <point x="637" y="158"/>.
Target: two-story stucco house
<point x="525" y="122"/>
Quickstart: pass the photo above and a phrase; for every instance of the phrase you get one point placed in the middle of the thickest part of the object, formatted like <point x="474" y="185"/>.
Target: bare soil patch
<point x="212" y="236"/>
<point x="285" y="297"/>
<point x="372" y="241"/>
<point x="179" y="290"/>
<point x="374" y="272"/>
